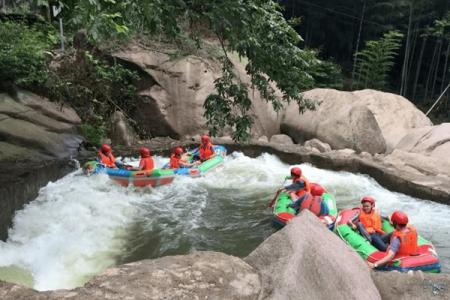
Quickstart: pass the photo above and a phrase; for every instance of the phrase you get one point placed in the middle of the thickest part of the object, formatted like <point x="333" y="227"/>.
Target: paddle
<point x="276" y="195"/>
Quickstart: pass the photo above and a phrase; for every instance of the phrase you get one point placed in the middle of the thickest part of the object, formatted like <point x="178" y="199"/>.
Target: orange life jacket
<point x="205" y="152"/>
<point x="108" y="160"/>
<point x="305" y="189"/>
<point x="312" y="203"/>
<point x="174" y="161"/>
<point x="408" y="241"/>
<point x="371" y="221"/>
<point x="146" y="164"/>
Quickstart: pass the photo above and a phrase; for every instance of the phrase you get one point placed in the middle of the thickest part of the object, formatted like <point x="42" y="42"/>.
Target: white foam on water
<point x="78" y="225"/>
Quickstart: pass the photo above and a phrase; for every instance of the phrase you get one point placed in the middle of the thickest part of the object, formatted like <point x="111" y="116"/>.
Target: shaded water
<point x="79" y="226"/>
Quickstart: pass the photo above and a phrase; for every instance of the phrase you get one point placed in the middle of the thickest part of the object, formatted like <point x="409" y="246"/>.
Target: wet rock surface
<point x="305" y="260"/>
<point x="20" y="183"/>
<point x="412" y="285"/>
<point x="201" y="275"/>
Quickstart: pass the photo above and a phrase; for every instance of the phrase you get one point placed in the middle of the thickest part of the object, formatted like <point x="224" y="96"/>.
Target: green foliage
<point x="327" y="74"/>
<point x="229" y="106"/>
<point x="376" y="60"/>
<point x="23" y="53"/>
<point x="255" y="29"/>
<point x="440" y="28"/>
<point x="93" y="134"/>
<point x="96" y="88"/>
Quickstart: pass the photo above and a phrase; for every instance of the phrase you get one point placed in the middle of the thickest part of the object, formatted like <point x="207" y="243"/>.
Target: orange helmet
<point x="205" y="138"/>
<point x="399" y="218"/>
<point x="317" y="189"/>
<point x="105" y="148"/>
<point x="178" y="151"/>
<point x="296" y="172"/>
<point x="144" y="151"/>
<point x="369" y="199"/>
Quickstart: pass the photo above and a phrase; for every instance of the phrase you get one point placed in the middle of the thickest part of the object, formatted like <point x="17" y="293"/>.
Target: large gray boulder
<point x="412" y="285"/>
<point x="201" y="275"/>
<point x="307" y="261"/>
<point x="368" y="120"/>
<point x="317" y="144"/>
<point x="33" y="127"/>
<point x="281" y="139"/>
<point x="173" y="91"/>
<point x="431" y="141"/>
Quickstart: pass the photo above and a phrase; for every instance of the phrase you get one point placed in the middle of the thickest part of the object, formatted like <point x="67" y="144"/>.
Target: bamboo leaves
<point x="376" y="60"/>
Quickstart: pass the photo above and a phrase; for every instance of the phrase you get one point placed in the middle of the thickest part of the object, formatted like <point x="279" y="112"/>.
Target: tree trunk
<point x="444" y="72"/>
<point x="419" y="65"/>
<point x="435" y="77"/>
<point x="407" y="51"/>
<point x="430" y="71"/>
<point x="412" y="55"/>
<point x="357" y="42"/>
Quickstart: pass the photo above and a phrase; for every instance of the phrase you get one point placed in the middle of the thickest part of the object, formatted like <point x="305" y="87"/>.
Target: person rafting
<point x="299" y="186"/>
<point x="368" y="222"/>
<point x="106" y="157"/>
<point x="312" y="201"/>
<point x="178" y="160"/>
<point x="206" y="150"/>
<point x="146" y="163"/>
<point x="403" y="241"/>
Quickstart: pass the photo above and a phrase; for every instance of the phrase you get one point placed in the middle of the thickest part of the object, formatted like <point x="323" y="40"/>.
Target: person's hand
<point x="372" y="265"/>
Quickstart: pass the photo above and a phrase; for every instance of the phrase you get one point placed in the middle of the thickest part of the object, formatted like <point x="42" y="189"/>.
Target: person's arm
<point x="353" y="220"/>
<point x="393" y="248"/>
<point x="386" y="259"/>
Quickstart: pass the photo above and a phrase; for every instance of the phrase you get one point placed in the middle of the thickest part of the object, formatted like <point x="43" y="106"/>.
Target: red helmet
<point x="317" y="189"/>
<point x="296" y="172"/>
<point x="178" y="150"/>
<point x="144" y="151"/>
<point x="399" y="218"/>
<point x="205" y="138"/>
<point x="105" y="148"/>
<point x="369" y="199"/>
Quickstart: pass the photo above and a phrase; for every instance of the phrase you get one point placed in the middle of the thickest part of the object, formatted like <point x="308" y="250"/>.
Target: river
<point x="79" y="225"/>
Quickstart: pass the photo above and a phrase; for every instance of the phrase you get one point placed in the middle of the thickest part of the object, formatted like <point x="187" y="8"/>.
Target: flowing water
<point x="79" y="225"/>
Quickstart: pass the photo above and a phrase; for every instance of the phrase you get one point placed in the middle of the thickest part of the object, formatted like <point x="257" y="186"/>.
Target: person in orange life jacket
<point x="178" y="161"/>
<point x="369" y="223"/>
<point x="403" y="240"/>
<point x="205" y="150"/>
<point x="106" y="157"/>
<point x="312" y="201"/>
<point x="146" y="163"/>
<point x="300" y="185"/>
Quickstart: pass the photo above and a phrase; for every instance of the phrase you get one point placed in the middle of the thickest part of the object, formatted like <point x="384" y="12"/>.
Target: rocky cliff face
<point x="37" y="138"/>
<point x="172" y="93"/>
<point x="33" y="127"/>
<point x="366" y="121"/>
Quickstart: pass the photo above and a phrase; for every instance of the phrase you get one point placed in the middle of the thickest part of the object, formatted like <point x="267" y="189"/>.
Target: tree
<point x="377" y="59"/>
<point x="255" y="29"/>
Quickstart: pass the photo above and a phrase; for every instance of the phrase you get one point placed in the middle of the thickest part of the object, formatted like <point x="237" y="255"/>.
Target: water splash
<point x="79" y="226"/>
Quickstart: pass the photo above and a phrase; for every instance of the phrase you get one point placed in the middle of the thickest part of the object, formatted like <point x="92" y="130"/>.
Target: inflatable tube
<point x="205" y="166"/>
<point x="156" y="177"/>
<point x="125" y="177"/>
<point x="282" y="212"/>
<point x="426" y="259"/>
